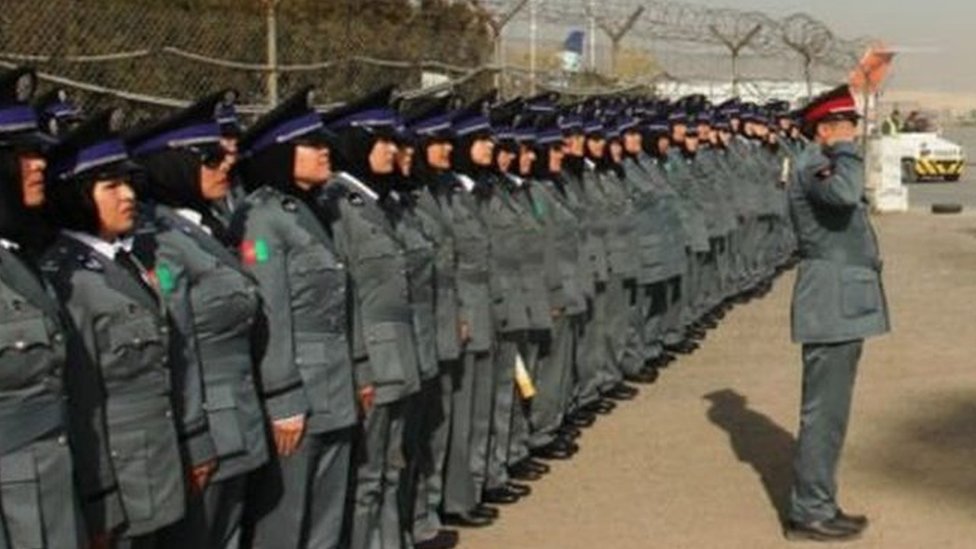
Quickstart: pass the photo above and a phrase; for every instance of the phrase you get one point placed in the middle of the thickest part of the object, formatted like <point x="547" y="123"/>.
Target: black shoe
<point x="466" y="520"/>
<point x="499" y="496"/>
<point x="853" y="522"/>
<point x="536" y="466"/>
<point x="646" y="376"/>
<point x="581" y="419"/>
<point x="521" y="489"/>
<point x="524" y="474"/>
<point x="686" y="347"/>
<point x="556" y="450"/>
<point x="486" y="511"/>
<point x="819" y="530"/>
<point x="602" y="407"/>
<point x="569" y="432"/>
<point x="445" y="539"/>
<point x="622" y="391"/>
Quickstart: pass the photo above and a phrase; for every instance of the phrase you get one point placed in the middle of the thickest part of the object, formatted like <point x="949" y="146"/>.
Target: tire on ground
<point x="946" y="208"/>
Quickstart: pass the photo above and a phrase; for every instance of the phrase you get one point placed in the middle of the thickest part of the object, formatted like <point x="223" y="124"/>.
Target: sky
<point x="942" y="34"/>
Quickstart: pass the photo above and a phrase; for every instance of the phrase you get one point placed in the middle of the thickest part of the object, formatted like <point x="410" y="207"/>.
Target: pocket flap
<point x="24" y="333"/>
<point x="221" y="397"/>
<point x="18" y="467"/>
<point x="311" y="348"/>
<point x="129" y="445"/>
<point x="382" y="331"/>
<point x="136" y="332"/>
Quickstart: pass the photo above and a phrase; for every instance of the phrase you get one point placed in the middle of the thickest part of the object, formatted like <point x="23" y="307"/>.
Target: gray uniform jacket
<point x="215" y="306"/>
<point x="667" y="208"/>
<point x="521" y="196"/>
<point x="564" y="237"/>
<point x="618" y="210"/>
<point x="421" y="255"/>
<point x="35" y="463"/>
<point x="382" y="312"/>
<point x="306" y="366"/>
<point x="474" y="253"/>
<point x="593" y="254"/>
<point x="508" y="296"/>
<point x="838" y="295"/>
<point x="434" y="212"/>
<point x="692" y="211"/>
<point x="124" y="330"/>
<point x="655" y="235"/>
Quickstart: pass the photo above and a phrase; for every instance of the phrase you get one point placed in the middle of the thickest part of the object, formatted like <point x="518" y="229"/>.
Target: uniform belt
<point x="124" y="409"/>
<point x="222" y="350"/>
<point x="874" y="264"/>
<point x="29" y="421"/>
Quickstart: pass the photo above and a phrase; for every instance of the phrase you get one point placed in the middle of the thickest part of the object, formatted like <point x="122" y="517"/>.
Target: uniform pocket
<point x="383" y="340"/>
<point x="20" y="496"/>
<point x="21" y="335"/>
<point x="312" y="359"/>
<point x="860" y="292"/>
<point x="130" y="455"/>
<point x="134" y="334"/>
<point x="224" y="423"/>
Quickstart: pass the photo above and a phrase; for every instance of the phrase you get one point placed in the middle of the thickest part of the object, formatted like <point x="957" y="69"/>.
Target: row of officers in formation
<point x="356" y="328"/>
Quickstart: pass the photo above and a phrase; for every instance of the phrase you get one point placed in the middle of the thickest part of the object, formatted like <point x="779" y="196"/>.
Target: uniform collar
<point x="9" y="245"/>
<point x="107" y="249"/>
<point x="358" y="185"/>
<point x="194" y="217"/>
<point x="466" y="182"/>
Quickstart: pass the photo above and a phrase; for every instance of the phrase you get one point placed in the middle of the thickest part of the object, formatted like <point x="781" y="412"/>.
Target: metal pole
<point x="592" y="13"/>
<point x="272" y="79"/>
<point x="533" y="32"/>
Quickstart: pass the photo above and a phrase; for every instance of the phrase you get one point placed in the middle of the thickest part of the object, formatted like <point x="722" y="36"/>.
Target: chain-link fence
<point x="157" y="54"/>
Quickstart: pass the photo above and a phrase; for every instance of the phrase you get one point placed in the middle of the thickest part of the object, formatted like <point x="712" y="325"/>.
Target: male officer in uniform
<point x="837" y="302"/>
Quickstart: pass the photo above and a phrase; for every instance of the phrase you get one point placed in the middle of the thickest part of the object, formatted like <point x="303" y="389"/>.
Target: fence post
<point x="272" y="60"/>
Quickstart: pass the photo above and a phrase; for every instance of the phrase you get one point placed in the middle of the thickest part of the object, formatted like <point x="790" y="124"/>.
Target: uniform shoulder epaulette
<point x="289" y="204"/>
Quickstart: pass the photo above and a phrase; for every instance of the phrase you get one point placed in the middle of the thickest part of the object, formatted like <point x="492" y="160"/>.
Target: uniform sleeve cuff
<point x="285" y="405"/>
<point x="200" y="448"/>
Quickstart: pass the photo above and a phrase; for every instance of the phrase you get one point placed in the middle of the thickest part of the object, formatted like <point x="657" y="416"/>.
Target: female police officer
<point x="37" y="495"/>
<point x="307" y="375"/>
<point x="213" y="302"/>
<point x="121" y="322"/>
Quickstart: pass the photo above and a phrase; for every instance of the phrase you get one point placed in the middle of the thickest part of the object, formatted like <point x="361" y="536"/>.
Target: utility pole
<point x="735" y="47"/>
<point x="616" y="33"/>
<point x="495" y="27"/>
<point x="271" y="84"/>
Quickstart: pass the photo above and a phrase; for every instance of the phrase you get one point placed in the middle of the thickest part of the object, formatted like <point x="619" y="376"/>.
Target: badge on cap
<point x="26" y="85"/>
<point x="116" y="121"/>
<point x="310" y="99"/>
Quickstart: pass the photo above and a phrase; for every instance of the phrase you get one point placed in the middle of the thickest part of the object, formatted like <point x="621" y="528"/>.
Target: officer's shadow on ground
<point x="758" y="441"/>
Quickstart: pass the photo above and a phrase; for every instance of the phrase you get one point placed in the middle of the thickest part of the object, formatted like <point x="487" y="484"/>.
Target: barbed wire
<point x="162" y="56"/>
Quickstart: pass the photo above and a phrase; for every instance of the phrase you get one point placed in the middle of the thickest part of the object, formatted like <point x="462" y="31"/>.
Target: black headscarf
<point x="172" y="178"/>
<point x="18" y="223"/>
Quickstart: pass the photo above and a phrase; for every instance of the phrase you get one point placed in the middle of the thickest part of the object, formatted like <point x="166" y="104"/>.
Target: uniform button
<point x="58" y="337"/>
<point x="169" y="413"/>
<point x="341" y="265"/>
<point x="298" y="361"/>
<point x="164" y="330"/>
<point x="115" y="454"/>
<point x="62" y="440"/>
<point x="137" y="341"/>
<point x="20" y="345"/>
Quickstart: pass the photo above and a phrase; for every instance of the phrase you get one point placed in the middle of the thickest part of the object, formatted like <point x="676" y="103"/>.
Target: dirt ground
<point x="702" y="458"/>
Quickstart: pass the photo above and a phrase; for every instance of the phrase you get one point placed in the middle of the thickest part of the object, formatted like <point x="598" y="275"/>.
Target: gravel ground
<point x="702" y="458"/>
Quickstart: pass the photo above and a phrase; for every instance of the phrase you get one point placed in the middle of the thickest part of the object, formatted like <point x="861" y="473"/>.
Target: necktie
<point x="125" y="260"/>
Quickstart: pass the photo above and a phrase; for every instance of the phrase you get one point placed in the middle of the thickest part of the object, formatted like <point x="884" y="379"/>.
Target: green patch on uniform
<point x="255" y="251"/>
<point x="538" y="209"/>
<point x="162" y="277"/>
